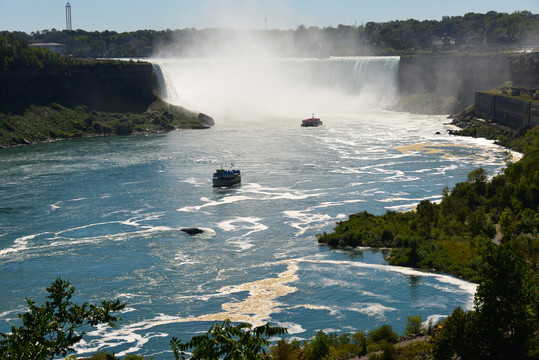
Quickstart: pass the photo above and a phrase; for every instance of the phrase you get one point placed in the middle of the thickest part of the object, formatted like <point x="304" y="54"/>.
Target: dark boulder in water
<point x="192" y="230"/>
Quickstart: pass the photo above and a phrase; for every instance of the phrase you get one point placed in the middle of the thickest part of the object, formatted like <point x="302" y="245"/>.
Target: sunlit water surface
<point x="106" y="213"/>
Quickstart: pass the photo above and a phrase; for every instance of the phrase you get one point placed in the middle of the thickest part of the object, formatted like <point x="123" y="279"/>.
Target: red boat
<point x="312" y="121"/>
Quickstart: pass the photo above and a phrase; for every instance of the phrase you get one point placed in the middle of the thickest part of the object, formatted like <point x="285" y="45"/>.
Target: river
<point x="105" y="213"/>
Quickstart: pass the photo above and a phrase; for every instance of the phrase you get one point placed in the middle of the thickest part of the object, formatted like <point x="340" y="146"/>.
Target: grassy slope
<point x="52" y="122"/>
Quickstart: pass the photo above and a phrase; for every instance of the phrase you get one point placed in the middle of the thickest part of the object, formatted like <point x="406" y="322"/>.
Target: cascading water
<point x="262" y="87"/>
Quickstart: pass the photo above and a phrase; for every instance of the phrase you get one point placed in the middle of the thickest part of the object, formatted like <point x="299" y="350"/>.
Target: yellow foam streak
<point x="427" y="148"/>
<point x="258" y="306"/>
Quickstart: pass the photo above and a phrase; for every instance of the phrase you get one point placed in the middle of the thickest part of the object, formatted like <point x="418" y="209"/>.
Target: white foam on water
<point x="304" y="219"/>
<point x="403" y="207"/>
<point x="243" y="223"/>
<point x="193" y="181"/>
<point x="371" y="309"/>
<point x="10" y="314"/>
<point x="252" y="192"/>
<point x="464" y="286"/>
<point x="78" y="199"/>
<point x="278" y="193"/>
<point x="374" y="295"/>
<point x="107" y="338"/>
<point x="211" y="203"/>
<point x="20" y="244"/>
<point x="206" y="233"/>
<point x="292" y="328"/>
<point x="183" y="259"/>
<point x="126" y="310"/>
<point x="433" y="319"/>
<point x="58" y="239"/>
<point x="332" y="310"/>
<point x="255" y="309"/>
<point x="242" y="244"/>
<point x="394" y="199"/>
<point x="55" y="206"/>
<point x="326" y="204"/>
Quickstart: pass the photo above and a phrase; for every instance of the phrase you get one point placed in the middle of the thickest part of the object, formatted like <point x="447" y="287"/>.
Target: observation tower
<point x="68" y="16"/>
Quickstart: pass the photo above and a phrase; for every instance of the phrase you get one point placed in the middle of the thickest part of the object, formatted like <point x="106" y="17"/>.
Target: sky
<point x="131" y="15"/>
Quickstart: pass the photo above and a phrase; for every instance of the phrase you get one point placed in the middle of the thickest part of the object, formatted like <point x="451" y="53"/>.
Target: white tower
<point x="68" y="16"/>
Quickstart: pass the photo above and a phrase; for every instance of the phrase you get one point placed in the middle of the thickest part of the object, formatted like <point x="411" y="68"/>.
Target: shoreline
<point x="54" y="122"/>
<point x="410" y="247"/>
<point x="88" y="136"/>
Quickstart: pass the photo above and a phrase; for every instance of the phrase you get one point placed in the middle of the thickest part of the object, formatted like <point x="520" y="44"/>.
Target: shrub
<point x="123" y="128"/>
<point x="384" y="332"/>
<point x="414" y="325"/>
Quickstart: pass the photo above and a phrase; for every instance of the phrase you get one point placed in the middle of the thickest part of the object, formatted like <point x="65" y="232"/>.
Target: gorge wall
<point x="103" y="86"/>
<point x="462" y="74"/>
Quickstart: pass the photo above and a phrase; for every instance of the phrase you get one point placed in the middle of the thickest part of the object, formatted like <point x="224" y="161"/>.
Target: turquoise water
<point x="105" y="213"/>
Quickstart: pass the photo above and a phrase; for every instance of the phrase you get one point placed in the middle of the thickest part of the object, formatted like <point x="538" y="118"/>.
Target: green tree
<point x="51" y="329"/>
<point x="414" y="325"/>
<point x="457" y="336"/>
<point x="504" y="324"/>
<point x="318" y="347"/>
<point x="505" y="303"/>
<point x="227" y="342"/>
<point x="383" y="333"/>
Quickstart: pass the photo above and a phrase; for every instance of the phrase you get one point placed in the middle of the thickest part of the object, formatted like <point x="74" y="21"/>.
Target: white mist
<point x="240" y="88"/>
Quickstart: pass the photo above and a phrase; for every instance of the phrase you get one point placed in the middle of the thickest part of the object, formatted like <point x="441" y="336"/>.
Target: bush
<point x="383" y="333"/>
<point x="123" y="128"/>
<point x="414" y="325"/>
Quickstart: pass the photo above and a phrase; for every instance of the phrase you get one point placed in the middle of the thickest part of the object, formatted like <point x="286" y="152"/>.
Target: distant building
<point x="54" y="47"/>
<point x="445" y="43"/>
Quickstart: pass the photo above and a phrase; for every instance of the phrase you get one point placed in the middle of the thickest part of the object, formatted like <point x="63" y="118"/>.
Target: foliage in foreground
<point x="505" y="320"/>
<point x="227" y="341"/>
<point x="51" y="329"/>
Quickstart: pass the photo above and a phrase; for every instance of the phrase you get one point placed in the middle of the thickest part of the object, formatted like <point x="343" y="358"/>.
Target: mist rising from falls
<point x="241" y="88"/>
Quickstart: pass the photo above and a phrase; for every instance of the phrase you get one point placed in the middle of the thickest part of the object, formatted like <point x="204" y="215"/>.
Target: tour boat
<point x="312" y="121"/>
<point x="222" y="177"/>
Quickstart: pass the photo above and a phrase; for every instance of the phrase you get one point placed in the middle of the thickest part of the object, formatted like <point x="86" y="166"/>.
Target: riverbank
<point x="450" y="236"/>
<point x="57" y="122"/>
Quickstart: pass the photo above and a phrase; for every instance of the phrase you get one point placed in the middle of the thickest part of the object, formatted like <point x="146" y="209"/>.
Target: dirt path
<point x="497" y="239"/>
<point x="397" y="345"/>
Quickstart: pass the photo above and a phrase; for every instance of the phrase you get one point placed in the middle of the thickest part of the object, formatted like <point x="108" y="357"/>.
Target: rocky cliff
<point x="85" y="98"/>
<point x="458" y="75"/>
<point x="103" y="86"/>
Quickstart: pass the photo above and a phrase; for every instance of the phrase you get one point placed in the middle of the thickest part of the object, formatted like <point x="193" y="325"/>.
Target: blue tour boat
<point x="222" y="177"/>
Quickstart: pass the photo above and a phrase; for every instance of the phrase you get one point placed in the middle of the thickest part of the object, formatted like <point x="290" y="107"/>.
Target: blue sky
<point x="130" y="15"/>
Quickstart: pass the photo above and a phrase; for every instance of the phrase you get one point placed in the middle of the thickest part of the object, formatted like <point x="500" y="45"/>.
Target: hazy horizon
<point x="122" y="16"/>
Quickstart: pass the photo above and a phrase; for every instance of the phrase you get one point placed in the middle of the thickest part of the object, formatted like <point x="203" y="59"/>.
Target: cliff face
<point x="115" y="87"/>
<point x="459" y="75"/>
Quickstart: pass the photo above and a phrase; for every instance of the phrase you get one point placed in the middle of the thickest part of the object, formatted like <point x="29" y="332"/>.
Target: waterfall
<point x="265" y="87"/>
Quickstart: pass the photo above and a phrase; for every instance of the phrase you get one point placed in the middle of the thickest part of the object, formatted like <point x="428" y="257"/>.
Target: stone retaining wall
<point x="507" y="111"/>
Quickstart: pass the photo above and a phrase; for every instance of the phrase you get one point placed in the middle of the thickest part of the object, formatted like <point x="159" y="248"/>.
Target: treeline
<point x="450" y="236"/>
<point x="493" y="28"/>
<point x="16" y="54"/>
